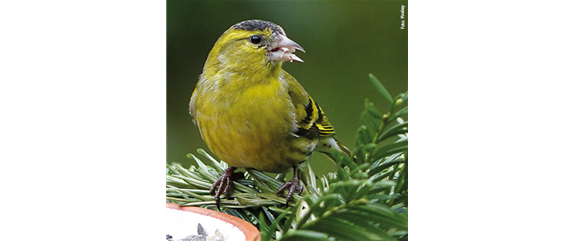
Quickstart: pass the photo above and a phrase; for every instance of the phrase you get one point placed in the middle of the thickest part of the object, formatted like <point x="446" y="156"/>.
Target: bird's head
<point x="253" y="44"/>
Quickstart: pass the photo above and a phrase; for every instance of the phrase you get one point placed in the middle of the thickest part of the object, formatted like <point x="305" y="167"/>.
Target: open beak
<point x="283" y="49"/>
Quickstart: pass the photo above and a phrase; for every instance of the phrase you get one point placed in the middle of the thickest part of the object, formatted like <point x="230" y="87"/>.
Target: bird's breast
<point x="249" y="126"/>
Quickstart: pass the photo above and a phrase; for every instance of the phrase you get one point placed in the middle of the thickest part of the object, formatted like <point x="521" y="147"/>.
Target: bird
<point x="253" y="114"/>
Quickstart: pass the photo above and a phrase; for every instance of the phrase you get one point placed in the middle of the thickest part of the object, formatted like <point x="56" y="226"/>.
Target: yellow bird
<point x="253" y="114"/>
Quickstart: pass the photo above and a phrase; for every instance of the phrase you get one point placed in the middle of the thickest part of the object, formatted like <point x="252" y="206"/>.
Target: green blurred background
<point x="344" y="42"/>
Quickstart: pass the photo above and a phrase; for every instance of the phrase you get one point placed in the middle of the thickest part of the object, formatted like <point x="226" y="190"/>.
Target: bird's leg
<point x="293" y="185"/>
<point x="224" y="183"/>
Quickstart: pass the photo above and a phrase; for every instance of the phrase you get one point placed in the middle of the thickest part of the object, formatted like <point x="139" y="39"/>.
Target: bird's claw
<point x="224" y="183"/>
<point x="293" y="186"/>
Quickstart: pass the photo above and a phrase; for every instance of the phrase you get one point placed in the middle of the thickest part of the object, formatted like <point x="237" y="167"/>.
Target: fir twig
<point x="365" y="199"/>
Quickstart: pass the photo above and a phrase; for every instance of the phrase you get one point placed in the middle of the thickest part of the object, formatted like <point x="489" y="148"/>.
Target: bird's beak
<point x="283" y="49"/>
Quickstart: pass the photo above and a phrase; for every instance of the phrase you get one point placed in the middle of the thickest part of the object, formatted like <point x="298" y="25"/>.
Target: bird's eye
<point x="255" y="39"/>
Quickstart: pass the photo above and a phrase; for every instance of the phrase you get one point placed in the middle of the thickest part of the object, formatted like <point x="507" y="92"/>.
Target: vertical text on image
<point x="403" y="21"/>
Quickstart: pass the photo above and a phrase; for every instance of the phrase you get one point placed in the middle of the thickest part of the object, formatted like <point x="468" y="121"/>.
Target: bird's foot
<point x="293" y="186"/>
<point x="224" y="183"/>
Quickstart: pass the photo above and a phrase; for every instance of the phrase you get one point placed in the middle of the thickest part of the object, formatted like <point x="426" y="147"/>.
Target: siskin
<point x="253" y="114"/>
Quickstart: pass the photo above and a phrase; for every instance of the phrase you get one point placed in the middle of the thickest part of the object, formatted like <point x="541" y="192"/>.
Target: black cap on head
<point x="252" y="25"/>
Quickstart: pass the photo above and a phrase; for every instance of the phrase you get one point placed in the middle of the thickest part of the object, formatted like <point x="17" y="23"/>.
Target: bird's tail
<point x="327" y="144"/>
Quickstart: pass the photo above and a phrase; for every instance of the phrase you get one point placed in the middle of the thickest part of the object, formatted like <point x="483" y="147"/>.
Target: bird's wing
<point x="311" y="120"/>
